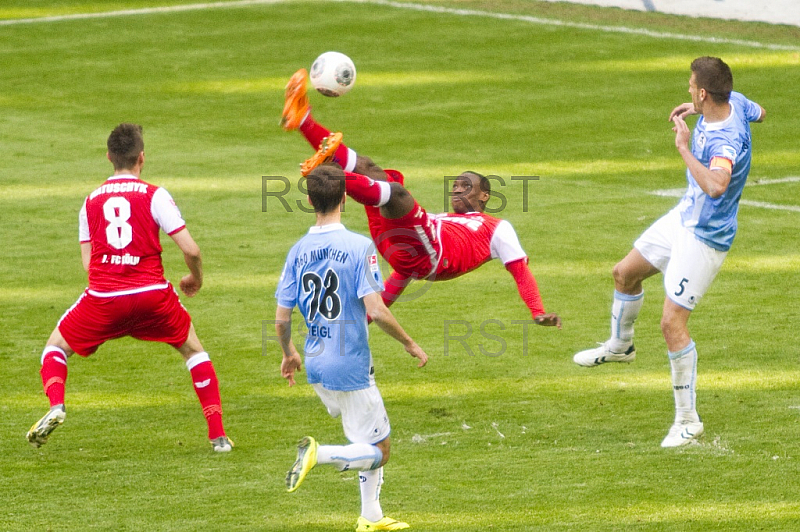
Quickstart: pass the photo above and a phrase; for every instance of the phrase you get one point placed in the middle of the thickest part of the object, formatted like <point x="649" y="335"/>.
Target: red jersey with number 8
<point x="122" y="219"/>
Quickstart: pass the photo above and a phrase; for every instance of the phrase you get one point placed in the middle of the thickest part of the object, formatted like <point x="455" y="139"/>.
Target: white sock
<point x="359" y="456"/>
<point x="371" y="482"/>
<point x="684" y="376"/>
<point x="624" y="312"/>
<point x="352" y="159"/>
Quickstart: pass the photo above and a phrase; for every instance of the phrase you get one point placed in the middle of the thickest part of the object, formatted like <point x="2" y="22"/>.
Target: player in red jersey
<point x="128" y="295"/>
<point x="416" y="244"/>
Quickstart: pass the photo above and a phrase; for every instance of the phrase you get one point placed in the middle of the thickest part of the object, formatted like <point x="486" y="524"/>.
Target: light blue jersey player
<point x="723" y="146"/>
<point x="332" y="276"/>
<point x="326" y="275"/>
<point x="690" y="242"/>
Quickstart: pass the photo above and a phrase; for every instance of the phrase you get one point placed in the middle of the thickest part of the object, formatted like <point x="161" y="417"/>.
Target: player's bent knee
<point x="624" y="279"/>
<point x="363" y="165"/>
<point x="385" y="447"/>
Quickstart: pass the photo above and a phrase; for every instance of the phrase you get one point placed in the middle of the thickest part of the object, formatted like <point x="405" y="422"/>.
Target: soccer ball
<point x="333" y="74"/>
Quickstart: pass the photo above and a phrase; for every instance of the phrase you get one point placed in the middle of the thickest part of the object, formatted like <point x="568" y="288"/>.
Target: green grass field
<point x="523" y="440"/>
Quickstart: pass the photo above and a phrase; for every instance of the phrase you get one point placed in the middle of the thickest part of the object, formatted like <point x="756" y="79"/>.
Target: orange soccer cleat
<point x="327" y="149"/>
<point x="295" y="107"/>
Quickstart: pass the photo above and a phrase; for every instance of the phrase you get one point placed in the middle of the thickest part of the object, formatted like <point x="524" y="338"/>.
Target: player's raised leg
<point x="54" y="377"/>
<point x="355" y="456"/>
<point x="295" y="107"/>
<point x="368" y="459"/>
<point x="297" y="115"/>
<point x="206" y="386"/>
<point x="393" y="199"/>
<point x="628" y="298"/>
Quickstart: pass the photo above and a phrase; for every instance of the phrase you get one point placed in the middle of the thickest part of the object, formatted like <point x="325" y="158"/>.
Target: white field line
<point x="141" y="11"/>
<point x="767" y="181"/>
<point x="577" y="25"/>
<point x="415" y="7"/>
<point x="679" y="192"/>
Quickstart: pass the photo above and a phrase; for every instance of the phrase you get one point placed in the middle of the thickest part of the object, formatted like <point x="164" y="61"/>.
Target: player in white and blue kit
<point x="332" y="276"/>
<point x="691" y="241"/>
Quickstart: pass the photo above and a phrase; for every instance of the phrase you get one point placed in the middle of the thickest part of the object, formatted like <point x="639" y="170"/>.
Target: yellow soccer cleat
<point x="306" y="460"/>
<point x="327" y="149"/>
<point x="387" y="523"/>
<point x="295" y="107"/>
<point x="41" y="430"/>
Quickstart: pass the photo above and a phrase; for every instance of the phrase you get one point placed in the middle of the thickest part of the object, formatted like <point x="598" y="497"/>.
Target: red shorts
<point x="154" y="315"/>
<point x="409" y="244"/>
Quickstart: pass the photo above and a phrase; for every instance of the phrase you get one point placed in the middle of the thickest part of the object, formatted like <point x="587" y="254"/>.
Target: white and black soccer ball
<point x="333" y="74"/>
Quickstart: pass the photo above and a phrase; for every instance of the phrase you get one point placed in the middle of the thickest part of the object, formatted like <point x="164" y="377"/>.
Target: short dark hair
<point x="124" y="146"/>
<point x="326" y="186"/>
<point x="713" y="75"/>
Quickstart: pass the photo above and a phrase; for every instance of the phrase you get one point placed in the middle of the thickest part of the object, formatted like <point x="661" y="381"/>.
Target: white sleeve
<point x="505" y="244"/>
<point x="165" y="212"/>
<point x="83" y="225"/>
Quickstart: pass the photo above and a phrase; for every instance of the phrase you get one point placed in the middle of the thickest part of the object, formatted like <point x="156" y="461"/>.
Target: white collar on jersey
<point x="716" y="126"/>
<point x="122" y="176"/>
<point x="315" y="229"/>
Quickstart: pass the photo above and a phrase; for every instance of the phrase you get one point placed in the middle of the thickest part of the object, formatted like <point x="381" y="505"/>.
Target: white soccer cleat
<point x="223" y="444"/>
<point x="602" y="354"/>
<point x="682" y="433"/>
<point x="41" y="430"/>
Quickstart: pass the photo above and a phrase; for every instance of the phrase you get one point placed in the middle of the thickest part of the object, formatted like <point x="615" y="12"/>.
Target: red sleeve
<point x="526" y="284"/>
<point x="392" y="288"/>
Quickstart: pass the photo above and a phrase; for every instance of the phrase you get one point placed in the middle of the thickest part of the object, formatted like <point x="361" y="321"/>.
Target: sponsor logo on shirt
<point x="729" y="153"/>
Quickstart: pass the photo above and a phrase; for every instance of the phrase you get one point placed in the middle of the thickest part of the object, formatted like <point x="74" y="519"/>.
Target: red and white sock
<point x="315" y="132"/>
<point x="206" y="386"/>
<point x="366" y="190"/>
<point x="54" y="374"/>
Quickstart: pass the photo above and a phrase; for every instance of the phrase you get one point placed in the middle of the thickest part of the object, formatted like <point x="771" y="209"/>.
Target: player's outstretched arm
<point x="529" y="292"/>
<point x="191" y="283"/>
<point x="291" y="358"/>
<point x="393" y="287"/>
<point x="382" y="316"/>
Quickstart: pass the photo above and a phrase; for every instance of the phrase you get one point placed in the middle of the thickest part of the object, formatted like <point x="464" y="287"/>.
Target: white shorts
<point x="364" y="417"/>
<point x="689" y="266"/>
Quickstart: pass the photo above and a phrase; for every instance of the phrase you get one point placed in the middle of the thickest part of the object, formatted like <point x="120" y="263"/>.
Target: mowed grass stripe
<point x="415" y="7"/>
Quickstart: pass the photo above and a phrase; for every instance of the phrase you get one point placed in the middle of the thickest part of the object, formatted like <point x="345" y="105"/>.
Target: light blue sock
<point x="624" y="312"/>
<point x="684" y="377"/>
<point x="358" y="456"/>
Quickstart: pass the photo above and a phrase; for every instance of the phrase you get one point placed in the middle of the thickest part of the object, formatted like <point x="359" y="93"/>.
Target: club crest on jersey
<point x="700" y="141"/>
